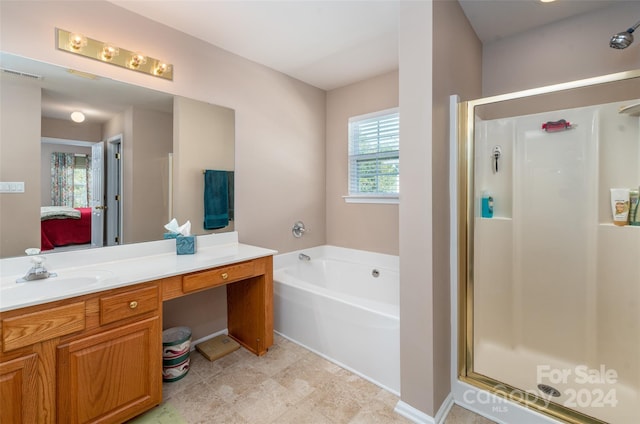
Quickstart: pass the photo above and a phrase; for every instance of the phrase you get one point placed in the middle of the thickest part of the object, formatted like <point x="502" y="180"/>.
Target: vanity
<point x="86" y="345"/>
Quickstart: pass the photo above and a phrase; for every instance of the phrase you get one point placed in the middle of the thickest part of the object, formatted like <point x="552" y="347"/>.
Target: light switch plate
<point x="12" y="187"/>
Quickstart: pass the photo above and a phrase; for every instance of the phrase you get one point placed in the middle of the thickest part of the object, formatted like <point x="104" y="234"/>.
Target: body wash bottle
<point x="487" y="205"/>
<point x="620" y="205"/>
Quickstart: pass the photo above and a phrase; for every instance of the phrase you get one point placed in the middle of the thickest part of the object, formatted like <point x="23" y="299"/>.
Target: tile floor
<point x="287" y="385"/>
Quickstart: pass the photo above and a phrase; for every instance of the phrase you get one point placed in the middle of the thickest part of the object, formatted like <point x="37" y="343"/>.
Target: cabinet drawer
<point x="129" y="304"/>
<point x="28" y="329"/>
<point x="217" y="277"/>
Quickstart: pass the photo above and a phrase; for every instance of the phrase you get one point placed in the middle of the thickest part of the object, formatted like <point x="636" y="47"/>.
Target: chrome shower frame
<point x="539" y="97"/>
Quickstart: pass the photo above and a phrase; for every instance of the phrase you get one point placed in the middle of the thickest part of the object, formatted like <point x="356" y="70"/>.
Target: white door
<point x="114" y="203"/>
<point x="97" y="195"/>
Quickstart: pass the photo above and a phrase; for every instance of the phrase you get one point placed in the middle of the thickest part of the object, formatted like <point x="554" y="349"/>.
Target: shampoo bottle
<point x="620" y="206"/>
<point x="634" y="207"/>
<point x="487" y="205"/>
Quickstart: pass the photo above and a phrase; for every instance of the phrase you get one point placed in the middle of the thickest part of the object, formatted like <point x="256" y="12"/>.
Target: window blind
<point x="374" y="154"/>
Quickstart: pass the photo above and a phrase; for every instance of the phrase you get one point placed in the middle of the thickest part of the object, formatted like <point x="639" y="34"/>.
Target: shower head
<point x="622" y="40"/>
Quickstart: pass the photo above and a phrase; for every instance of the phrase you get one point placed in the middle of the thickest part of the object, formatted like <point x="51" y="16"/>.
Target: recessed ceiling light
<point x="547" y="1"/>
<point x="77" y="117"/>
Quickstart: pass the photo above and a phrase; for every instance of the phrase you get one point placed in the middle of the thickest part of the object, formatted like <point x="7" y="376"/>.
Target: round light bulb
<point x="77" y="117"/>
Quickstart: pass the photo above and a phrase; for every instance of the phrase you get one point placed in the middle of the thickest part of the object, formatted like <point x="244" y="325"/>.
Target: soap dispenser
<point x="487" y="205"/>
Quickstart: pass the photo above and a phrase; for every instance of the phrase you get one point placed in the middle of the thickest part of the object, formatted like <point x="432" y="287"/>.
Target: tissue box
<point x="170" y="235"/>
<point x="186" y="245"/>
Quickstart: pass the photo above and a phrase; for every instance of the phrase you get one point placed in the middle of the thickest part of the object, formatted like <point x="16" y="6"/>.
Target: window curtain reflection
<point x="70" y="180"/>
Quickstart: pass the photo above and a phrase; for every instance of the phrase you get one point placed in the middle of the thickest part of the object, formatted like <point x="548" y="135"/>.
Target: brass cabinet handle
<point x="224" y="275"/>
<point x="133" y="304"/>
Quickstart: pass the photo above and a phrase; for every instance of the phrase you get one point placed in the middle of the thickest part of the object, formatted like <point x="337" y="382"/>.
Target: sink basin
<point x="66" y="282"/>
<point x="83" y="278"/>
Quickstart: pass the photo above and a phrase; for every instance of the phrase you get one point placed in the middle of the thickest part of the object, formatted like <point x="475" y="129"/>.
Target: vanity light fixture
<point x="109" y="51"/>
<point x="137" y="60"/>
<point x="161" y="68"/>
<point x="77" y="116"/>
<point x="106" y="52"/>
<point x="77" y="42"/>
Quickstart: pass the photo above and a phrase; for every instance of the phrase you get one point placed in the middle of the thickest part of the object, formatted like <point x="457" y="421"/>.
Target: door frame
<point x="115" y="208"/>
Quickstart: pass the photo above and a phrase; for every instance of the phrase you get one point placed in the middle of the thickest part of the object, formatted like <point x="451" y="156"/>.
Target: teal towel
<point x="231" y="194"/>
<point x="216" y="199"/>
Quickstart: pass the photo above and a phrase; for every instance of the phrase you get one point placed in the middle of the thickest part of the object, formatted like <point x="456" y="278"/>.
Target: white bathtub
<point x="334" y="306"/>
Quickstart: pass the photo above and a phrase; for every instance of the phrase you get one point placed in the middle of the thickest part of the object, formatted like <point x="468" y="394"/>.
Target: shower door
<point x="551" y="290"/>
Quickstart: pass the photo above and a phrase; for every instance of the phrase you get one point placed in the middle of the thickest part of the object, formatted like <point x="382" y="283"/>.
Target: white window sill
<point x="388" y="200"/>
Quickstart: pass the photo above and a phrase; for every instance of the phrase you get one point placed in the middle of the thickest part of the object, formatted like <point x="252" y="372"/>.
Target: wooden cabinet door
<point x="111" y="376"/>
<point x="18" y="390"/>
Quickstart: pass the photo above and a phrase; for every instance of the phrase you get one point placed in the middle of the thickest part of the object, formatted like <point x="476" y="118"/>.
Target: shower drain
<point x="375" y="273"/>
<point x="548" y="390"/>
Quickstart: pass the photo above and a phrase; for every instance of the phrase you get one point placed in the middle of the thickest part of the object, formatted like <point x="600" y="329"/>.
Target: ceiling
<point x="65" y="91"/>
<point x="329" y="44"/>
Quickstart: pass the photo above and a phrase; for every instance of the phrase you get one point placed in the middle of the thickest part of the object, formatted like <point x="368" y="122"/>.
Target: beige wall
<point x="571" y="49"/>
<point x="429" y="70"/>
<point x="113" y="127"/>
<point x="280" y="149"/>
<point x="460" y="74"/>
<point x="69" y="130"/>
<point x="19" y="145"/>
<point x="279" y="120"/>
<point x="416" y="235"/>
<point x="146" y="146"/>
<point x="372" y="227"/>
<point x="203" y="139"/>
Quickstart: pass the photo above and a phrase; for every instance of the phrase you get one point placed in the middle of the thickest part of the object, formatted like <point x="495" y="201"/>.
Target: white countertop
<point x="93" y="270"/>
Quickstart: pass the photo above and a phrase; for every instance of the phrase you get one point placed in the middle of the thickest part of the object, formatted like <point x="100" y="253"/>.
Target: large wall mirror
<point x="136" y="161"/>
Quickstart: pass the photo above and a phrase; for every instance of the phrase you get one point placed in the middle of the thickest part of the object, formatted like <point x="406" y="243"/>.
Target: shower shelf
<point x="632" y="110"/>
<point x="609" y="224"/>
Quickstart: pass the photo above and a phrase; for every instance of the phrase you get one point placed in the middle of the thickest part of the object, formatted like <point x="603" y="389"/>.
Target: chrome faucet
<point x="37" y="271"/>
<point x="304" y="257"/>
<point x="298" y="229"/>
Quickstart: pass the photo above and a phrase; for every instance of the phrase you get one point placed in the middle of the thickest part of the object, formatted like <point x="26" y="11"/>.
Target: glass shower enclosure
<point x="550" y="287"/>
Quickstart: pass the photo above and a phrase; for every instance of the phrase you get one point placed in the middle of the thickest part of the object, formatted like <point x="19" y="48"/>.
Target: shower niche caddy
<point x="548" y="281"/>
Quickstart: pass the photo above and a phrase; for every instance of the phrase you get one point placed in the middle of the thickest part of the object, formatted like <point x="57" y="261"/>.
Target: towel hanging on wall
<point x="230" y="188"/>
<point x="216" y="199"/>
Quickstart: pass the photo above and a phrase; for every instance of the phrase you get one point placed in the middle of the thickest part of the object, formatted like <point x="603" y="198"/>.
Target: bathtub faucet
<point x="304" y="257"/>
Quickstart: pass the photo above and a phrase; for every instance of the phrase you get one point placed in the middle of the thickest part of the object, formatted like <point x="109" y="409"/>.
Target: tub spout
<point x="304" y="257"/>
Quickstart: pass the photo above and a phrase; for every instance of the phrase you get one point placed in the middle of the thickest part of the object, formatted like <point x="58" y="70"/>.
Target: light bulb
<point x="109" y="52"/>
<point x="137" y="60"/>
<point x="77" y="41"/>
<point x="161" y="68"/>
<point x="77" y="117"/>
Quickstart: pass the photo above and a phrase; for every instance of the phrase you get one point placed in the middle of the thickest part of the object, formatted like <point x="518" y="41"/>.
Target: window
<point x="81" y="177"/>
<point x="374" y="157"/>
<point x="70" y="179"/>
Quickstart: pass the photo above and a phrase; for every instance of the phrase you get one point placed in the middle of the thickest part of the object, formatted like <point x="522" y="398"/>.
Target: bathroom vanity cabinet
<point x="97" y="358"/>
<point x="92" y="358"/>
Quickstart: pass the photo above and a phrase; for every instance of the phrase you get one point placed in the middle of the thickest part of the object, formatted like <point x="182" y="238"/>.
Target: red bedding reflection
<point x="62" y="232"/>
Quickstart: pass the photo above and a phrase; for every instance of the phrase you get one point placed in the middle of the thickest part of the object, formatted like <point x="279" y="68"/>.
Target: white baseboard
<point x="419" y="417"/>
<point x="446" y="406"/>
<point x="205" y="338"/>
